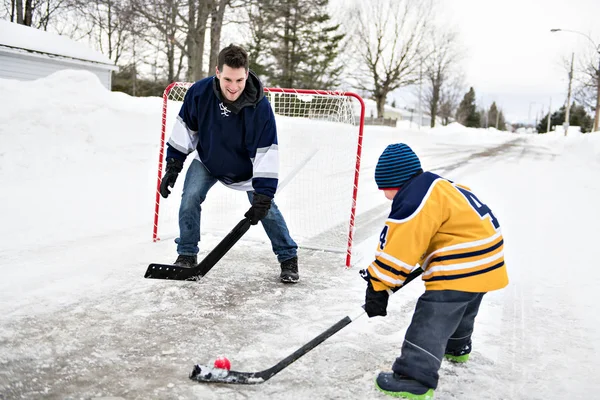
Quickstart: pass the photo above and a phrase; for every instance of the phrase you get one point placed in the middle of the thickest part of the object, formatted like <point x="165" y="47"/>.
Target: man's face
<point x="232" y="82"/>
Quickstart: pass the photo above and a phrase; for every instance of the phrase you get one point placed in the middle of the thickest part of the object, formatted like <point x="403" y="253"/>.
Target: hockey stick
<point x="175" y="272"/>
<point x="206" y="374"/>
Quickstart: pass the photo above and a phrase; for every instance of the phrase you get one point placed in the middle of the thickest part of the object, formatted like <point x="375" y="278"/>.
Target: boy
<point x="456" y="240"/>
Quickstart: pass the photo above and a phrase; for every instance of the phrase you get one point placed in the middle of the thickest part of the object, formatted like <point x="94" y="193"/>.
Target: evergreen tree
<point x="502" y="125"/>
<point x="467" y="113"/>
<point x="495" y="115"/>
<point x="295" y="44"/>
<point x="577" y="117"/>
<point x="258" y="46"/>
<point x="126" y="79"/>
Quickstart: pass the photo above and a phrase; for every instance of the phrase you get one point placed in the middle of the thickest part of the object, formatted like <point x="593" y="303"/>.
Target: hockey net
<point x="320" y="142"/>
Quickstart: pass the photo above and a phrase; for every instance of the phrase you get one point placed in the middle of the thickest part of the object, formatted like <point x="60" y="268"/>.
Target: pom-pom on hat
<point x="396" y="165"/>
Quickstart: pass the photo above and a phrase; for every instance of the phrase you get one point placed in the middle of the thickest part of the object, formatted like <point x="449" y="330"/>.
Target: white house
<point x="27" y="53"/>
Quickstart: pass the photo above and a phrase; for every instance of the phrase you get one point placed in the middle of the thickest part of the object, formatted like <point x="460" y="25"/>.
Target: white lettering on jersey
<point x="224" y="110"/>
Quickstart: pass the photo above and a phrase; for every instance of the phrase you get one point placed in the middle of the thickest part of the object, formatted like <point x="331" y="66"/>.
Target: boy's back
<point x="443" y="227"/>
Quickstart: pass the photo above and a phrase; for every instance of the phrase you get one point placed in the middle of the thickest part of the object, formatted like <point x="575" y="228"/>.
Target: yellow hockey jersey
<point x="444" y="228"/>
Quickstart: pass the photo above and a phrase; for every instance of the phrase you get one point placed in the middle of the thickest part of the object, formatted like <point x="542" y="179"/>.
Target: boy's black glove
<point x="376" y="302"/>
<point x="174" y="167"/>
<point x="260" y="208"/>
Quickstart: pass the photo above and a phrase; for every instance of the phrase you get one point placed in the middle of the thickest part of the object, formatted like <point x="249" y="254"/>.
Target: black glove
<point x="260" y="208"/>
<point x="174" y="167"/>
<point x="376" y="302"/>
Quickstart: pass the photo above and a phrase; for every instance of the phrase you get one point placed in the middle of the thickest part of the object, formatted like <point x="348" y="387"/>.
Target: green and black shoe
<point x="460" y="355"/>
<point x="404" y="387"/>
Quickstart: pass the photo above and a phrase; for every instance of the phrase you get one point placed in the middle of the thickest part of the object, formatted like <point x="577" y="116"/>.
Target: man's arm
<point x="264" y="151"/>
<point x="184" y="137"/>
<point x="182" y="142"/>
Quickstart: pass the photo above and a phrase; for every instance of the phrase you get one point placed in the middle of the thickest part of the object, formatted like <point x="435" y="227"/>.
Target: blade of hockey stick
<point x="205" y="374"/>
<point x="175" y="272"/>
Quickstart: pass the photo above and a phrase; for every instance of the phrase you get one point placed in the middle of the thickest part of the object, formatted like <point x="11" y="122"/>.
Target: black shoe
<point x="186" y="261"/>
<point x="289" y="271"/>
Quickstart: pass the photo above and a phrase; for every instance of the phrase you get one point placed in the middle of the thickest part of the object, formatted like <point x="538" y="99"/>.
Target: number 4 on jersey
<point x="383" y="237"/>
<point x="479" y="207"/>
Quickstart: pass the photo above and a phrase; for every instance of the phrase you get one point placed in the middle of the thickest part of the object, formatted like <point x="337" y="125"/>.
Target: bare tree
<point x="450" y="98"/>
<point x="191" y="21"/>
<point x="45" y="10"/>
<point x="439" y="66"/>
<point x="162" y="24"/>
<point x="198" y="13"/>
<point x="217" y="13"/>
<point x="23" y="13"/>
<point x="34" y="13"/>
<point x="257" y="44"/>
<point x="109" y="24"/>
<point x="588" y="83"/>
<point x="18" y="4"/>
<point x="389" y="37"/>
<point x="184" y="24"/>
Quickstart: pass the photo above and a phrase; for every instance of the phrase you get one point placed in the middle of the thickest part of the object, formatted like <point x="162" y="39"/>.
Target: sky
<point x="513" y="58"/>
<point x="510" y="55"/>
<point x="78" y="320"/>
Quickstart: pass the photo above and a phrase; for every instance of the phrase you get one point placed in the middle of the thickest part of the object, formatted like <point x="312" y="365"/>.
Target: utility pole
<point x="568" y="107"/>
<point x="529" y="114"/>
<point x="597" y="47"/>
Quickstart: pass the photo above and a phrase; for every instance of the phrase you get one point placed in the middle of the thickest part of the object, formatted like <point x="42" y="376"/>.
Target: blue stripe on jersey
<point x="390" y="269"/>
<point x="466" y="255"/>
<point x="452" y="277"/>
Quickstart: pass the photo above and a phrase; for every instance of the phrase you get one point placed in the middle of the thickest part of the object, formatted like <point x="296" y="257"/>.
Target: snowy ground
<point x="77" y="320"/>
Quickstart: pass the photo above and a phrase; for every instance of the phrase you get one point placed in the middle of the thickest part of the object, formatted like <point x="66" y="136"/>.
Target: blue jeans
<point x="198" y="182"/>
<point x="443" y="321"/>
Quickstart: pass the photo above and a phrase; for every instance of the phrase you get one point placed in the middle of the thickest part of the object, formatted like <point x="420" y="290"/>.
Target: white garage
<point x="27" y="53"/>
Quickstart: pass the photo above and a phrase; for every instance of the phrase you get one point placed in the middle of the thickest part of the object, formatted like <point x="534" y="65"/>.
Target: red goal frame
<point x="361" y="121"/>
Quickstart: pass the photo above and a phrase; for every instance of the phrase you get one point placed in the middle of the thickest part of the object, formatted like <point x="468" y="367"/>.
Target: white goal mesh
<point x="320" y="141"/>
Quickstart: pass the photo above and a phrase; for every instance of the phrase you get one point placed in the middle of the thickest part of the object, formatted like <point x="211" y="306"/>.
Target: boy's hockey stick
<point x="175" y="272"/>
<point x="206" y="374"/>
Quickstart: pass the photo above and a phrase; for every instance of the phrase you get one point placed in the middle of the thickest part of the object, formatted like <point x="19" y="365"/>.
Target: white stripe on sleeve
<point x="183" y="138"/>
<point x="266" y="162"/>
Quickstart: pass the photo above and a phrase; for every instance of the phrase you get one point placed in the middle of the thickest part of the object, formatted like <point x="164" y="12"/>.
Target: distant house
<point x="27" y="53"/>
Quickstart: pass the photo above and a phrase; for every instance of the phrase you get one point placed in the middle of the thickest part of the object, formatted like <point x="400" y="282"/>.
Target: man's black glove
<point x="376" y="302"/>
<point x="174" y="167"/>
<point x="260" y="208"/>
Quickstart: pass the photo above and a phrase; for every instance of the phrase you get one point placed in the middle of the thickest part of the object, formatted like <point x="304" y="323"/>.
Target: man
<point x="454" y="237"/>
<point x="229" y="122"/>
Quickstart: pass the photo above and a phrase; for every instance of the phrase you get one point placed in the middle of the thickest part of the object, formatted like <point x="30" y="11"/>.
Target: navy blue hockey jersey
<point x="236" y="142"/>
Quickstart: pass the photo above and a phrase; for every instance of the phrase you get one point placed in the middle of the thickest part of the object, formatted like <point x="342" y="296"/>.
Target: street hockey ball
<point x="222" y="363"/>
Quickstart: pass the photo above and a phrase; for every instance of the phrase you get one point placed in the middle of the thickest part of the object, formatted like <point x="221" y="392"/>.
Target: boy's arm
<point x="402" y="243"/>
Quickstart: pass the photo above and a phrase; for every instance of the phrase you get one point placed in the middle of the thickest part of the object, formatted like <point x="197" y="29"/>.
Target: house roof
<point x="21" y="37"/>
